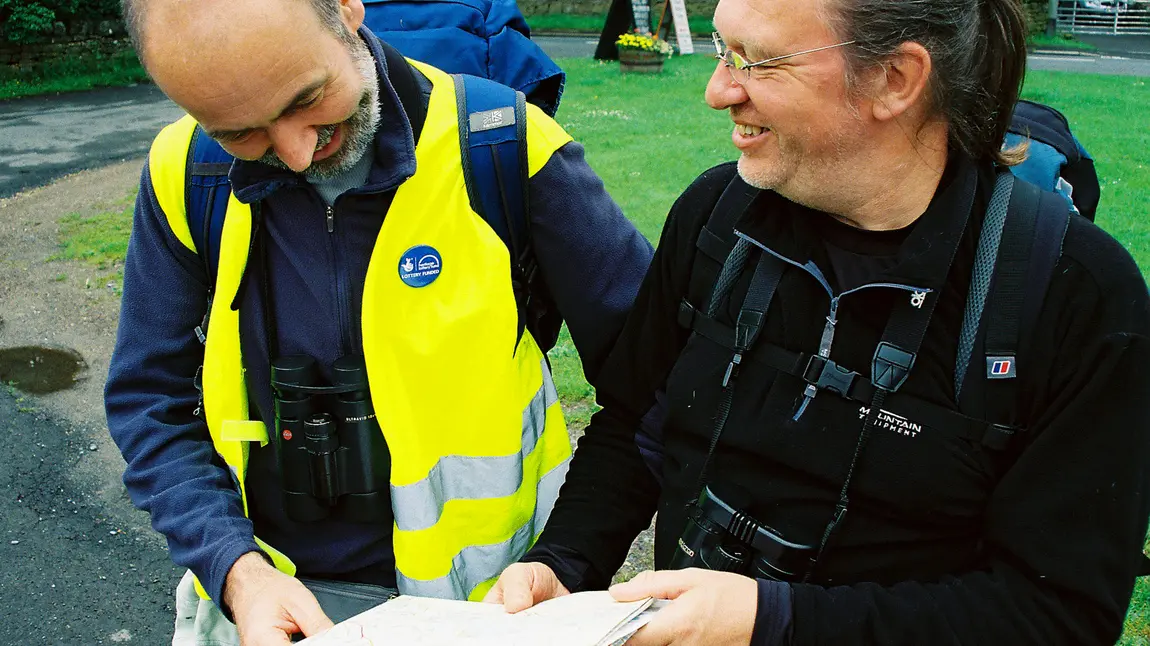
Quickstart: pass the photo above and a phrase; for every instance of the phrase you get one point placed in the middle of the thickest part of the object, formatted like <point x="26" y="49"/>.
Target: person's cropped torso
<point x="921" y="484"/>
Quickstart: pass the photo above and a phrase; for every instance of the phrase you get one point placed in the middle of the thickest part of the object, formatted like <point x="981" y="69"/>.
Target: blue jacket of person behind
<point x="488" y="38"/>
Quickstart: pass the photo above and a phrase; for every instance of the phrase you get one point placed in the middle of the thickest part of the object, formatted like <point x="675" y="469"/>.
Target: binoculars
<point x="332" y="457"/>
<point x="723" y="538"/>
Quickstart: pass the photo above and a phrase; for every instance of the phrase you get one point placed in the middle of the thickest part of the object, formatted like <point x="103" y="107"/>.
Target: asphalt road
<point x="1107" y="65"/>
<point x="76" y="570"/>
<point x="44" y="138"/>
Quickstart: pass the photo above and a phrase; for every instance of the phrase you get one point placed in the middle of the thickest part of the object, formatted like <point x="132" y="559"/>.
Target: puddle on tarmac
<point x="38" y="370"/>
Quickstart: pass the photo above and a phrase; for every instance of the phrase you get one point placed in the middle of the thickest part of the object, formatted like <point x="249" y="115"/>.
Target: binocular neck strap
<point x="896" y="352"/>
<point x="259" y="249"/>
<point x="752" y="315"/>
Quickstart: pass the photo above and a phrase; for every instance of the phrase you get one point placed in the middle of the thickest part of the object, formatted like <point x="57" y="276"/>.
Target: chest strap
<point x="829" y="376"/>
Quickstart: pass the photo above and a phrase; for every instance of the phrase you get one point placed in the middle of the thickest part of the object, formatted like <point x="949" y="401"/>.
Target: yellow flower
<point x="645" y="43"/>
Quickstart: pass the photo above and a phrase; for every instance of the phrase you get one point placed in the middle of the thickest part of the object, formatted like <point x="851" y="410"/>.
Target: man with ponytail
<point x="903" y="395"/>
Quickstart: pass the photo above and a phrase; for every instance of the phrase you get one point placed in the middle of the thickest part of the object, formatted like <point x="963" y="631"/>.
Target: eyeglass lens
<point x="736" y="65"/>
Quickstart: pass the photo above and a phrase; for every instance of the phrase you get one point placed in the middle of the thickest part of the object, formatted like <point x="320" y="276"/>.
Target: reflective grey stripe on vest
<point x="478" y="563"/>
<point x="420" y="504"/>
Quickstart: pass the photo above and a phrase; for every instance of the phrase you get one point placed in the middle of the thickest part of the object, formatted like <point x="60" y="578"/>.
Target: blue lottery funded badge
<point x="420" y="266"/>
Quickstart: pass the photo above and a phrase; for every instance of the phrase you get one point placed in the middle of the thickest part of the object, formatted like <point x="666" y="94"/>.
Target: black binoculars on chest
<point x="721" y="537"/>
<point x="332" y="457"/>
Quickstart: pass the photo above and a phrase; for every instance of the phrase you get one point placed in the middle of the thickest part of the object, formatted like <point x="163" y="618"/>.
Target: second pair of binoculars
<point x="721" y="536"/>
<point x="332" y="456"/>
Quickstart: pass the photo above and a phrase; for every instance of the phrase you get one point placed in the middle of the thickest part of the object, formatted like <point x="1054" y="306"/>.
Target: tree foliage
<point x="27" y="21"/>
<point x="1036" y="13"/>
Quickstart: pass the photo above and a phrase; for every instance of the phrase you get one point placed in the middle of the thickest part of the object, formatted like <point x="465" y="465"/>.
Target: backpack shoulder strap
<point x="1017" y="253"/>
<point x="985" y="259"/>
<point x="207" y="197"/>
<point x="714" y="247"/>
<point x="493" y="144"/>
<point x="1030" y="251"/>
<point x="1031" y="244"/>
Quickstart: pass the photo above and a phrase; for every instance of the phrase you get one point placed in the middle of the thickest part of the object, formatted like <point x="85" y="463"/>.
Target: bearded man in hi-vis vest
<point x="374" y="418"/>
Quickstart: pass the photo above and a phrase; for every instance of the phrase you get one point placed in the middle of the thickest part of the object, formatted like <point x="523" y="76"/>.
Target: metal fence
<point x="1104" y="17"/>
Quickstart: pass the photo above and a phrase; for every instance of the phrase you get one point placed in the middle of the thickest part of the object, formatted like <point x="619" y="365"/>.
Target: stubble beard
<point x="358" y="129"/>
<point x="806" y="175"/>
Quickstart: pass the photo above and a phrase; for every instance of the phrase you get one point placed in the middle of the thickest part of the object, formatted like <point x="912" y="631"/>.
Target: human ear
<point x="351" y="12"/>
<point x="902" y="82"/>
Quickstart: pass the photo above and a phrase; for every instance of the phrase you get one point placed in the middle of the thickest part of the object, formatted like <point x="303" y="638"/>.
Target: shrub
<point x="27" y="21"/>
<point x="1036" y="13"/>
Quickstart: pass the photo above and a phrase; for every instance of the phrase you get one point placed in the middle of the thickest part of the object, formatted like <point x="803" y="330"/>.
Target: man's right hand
<point x="523" y="585"/>
<point x="269" y="606"/>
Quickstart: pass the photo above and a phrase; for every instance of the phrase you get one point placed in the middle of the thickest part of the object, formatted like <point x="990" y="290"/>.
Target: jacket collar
<point x="394" y="160"/>
<point x="789" y="229"/>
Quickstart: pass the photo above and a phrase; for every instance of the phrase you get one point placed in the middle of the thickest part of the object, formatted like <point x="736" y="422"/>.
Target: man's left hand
<point x="709" y="608"/>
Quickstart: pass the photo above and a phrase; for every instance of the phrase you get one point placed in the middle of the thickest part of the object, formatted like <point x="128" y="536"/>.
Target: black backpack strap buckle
<point x="999" y="437"/>
<point x="891" y="366"/>
<point x="824" y="374"/>
<point x="687" y="314"/>
<point x="747" y="328"/>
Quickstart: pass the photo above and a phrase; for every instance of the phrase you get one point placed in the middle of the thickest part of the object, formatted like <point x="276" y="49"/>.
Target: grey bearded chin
<point x="358" y="130"/>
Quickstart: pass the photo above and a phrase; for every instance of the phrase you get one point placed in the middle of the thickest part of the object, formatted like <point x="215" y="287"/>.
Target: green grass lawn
<point x="83" y="71"/>
<point x="568" y="23"/>
<point x="648" y="137"/>
<point x="1060" y="41"/>
<point x="701" y="27"/>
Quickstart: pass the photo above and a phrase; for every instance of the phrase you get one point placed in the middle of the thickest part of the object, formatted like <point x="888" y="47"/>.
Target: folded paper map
<point x="582" y="619"/>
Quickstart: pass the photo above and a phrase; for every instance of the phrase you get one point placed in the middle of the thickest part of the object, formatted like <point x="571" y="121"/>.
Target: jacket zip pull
<point x="330" y="219"/>
<point x="824" y="351"/>
<point x="732" y="369"/>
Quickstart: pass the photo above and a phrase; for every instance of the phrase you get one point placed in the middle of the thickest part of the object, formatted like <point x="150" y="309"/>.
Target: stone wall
<point x="105" y="37"/>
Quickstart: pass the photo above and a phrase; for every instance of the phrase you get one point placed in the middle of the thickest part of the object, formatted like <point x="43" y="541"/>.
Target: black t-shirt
<point x="857" y="256"/>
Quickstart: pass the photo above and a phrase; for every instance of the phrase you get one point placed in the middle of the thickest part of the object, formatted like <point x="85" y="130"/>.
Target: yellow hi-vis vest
<point x="478" y="443"/>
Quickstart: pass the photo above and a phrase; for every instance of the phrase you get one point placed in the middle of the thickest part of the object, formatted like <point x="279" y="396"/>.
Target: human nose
<point x="293" y="143"/>
<point x="722" y="90"/>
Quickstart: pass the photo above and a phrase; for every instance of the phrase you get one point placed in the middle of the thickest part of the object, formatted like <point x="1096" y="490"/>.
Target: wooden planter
<point x="640" y="61"/>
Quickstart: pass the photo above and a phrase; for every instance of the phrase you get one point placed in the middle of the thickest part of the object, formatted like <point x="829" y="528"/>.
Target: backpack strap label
<point x="1001" y="367"/>
<point x="491" y="119"/>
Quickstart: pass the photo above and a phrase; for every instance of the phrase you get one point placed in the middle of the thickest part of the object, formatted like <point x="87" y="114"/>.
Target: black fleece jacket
<point x="944" y="543"/>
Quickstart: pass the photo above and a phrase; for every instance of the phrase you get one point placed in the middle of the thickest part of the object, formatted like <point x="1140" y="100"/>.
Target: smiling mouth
<point x="329" y="146"/>
<point x="749" y="131"/>
<point x="324" y="136"/>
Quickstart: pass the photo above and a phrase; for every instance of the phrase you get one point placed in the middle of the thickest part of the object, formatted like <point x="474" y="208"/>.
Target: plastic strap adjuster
<point x="824" y="374"/>
<point x="891" y="366"/>
<point x="687" y="313"/>
<point x="999" y="436"/>
<point x="747" y="328"/>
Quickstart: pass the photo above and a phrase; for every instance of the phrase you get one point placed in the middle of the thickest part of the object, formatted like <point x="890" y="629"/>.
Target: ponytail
<point x="978" y="51"/>
<point x="1004" y="60"/>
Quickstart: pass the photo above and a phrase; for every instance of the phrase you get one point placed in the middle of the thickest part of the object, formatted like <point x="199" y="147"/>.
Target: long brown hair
<point x="978" y="52"/>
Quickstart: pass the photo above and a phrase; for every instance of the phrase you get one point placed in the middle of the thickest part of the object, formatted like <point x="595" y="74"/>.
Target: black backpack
<point x="1056" y="160"/>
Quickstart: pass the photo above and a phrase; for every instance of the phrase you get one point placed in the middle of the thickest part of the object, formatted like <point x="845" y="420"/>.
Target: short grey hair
<point x="978" y="55"/>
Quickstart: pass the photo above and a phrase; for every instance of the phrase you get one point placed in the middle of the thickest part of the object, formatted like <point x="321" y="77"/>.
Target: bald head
<point x="142" y="17"/>
<point x="284" y="82"/>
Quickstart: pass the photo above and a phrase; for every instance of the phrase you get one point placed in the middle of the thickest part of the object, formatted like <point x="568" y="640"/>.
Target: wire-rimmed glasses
<point x="740" y="69"/>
